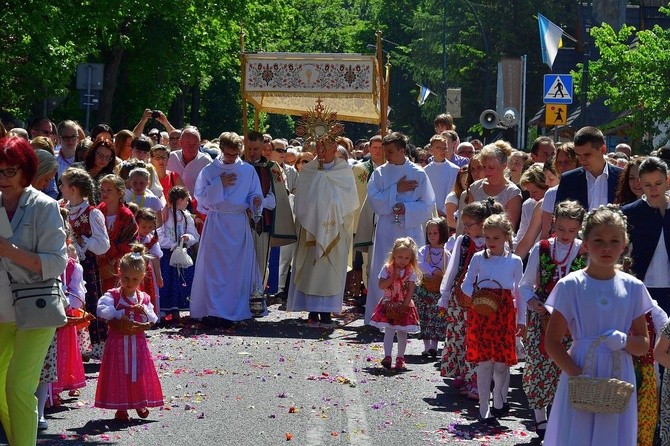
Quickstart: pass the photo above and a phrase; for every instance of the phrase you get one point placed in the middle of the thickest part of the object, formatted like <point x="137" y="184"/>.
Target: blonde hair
<point x="500" y="150"/>
<point x="136" y="259"/>
<point x="499" y="221"/>
<point x="405" y="243"/>
<point x="571" y="210"/>
<point x="534" y="175"/>
<point x="609" y="215"/>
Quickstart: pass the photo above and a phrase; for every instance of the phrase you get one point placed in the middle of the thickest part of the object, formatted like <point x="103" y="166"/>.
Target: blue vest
<point x="644" y="229"/>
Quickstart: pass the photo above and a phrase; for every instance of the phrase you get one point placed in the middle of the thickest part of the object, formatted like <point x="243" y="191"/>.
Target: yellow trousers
<point x="22" y="354"/>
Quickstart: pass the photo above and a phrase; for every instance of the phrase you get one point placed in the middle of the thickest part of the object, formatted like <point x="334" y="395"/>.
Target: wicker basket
<point x="128" y="327"/>
<point x="599" y="395"/>
<point x="486" y="301"/>
<point x="431" y="283"/>
<point x="395" y="310"/>
<point x="462" y="299"/>
<point x="80" y="317"/>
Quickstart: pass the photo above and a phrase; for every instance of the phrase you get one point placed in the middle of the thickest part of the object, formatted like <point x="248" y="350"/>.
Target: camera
<point x="155" y="114"/>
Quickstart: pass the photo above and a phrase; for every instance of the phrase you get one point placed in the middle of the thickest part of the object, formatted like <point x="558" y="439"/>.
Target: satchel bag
<point x="180" y="258"/>
<point x="39" y="304"/>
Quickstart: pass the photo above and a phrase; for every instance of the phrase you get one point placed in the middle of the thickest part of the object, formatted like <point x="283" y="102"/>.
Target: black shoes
<point x="502" y="412"/>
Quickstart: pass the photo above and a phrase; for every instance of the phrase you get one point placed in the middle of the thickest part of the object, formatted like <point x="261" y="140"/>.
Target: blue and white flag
<point x="424" y="92"/>
<point x="551" y="39"/>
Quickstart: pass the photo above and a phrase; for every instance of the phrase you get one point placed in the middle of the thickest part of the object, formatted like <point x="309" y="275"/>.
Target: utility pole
<point x="586" y="42"/>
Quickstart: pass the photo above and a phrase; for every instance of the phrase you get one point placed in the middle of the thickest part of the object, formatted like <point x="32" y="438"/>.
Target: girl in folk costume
<point x="178" y="227"/>
<point x="603" y="305"/>
<point x="63" y="368"/>
<point x="549" y="261"/>
<point x="138" y="192"/>
<point x="122" y="230"/>
<point x="433" y="259"/>
<point x="128" y="378"/>
<point x="397" y="278"/>
<point x="90" y="240"/>
<point x="146" y="234"/>
<point x="491" y="338"/>
<point x="471" y="241"/>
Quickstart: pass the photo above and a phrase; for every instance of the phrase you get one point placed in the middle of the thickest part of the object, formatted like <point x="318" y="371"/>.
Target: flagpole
<point x="585" y="70"/>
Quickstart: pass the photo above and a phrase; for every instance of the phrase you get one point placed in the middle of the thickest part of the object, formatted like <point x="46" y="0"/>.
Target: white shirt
<point x="597" y="188"/>
<point x="188" y="172"/>
<point x="442" y="177"/>
<point x="527" y="209"/>
<point x="549" y="201"/>
<point x="657" y="274"/>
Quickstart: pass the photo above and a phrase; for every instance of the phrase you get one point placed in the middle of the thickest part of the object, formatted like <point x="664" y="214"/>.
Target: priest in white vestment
<point x="402" y="198"/>
<point x="325" y="204"/>
<point x="226" y="269"/>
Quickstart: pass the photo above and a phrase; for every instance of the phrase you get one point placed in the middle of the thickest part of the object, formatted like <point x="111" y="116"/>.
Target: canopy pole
<point x="243" y="70"/>
<point x="382" y="87"/>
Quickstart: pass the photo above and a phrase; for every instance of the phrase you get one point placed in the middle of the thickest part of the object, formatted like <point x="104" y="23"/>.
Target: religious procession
<point x="504" y="254"/>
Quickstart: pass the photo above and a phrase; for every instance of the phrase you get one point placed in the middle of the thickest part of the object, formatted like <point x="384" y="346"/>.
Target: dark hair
<point x="89" y="160"/>
<point x="377" y="138"/>
<point x="100" y="128"/>
<point x="143" y="144"/>
<point x="481" y="210"/>
<point x="396" y="138"/>
<point x="444" y="119"/>
<point x="15" y="150"/>
<point x="255" y="136"/>
<point x="175" y="194"/>
<point x="157" y="148"/>
<point x="589" y="135"/>
<point x="146" y="214"/>
<point x="127" y="166"/>
<point x="442" y="229"/>
<point x="652" y="164"/>
<point x="540" y="141"/>
<point x="624" y="194"/>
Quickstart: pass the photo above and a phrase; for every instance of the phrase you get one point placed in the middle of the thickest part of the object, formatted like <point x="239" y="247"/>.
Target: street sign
<point x="91" y="101"/>
<point x="557" y="89"/>
<point x="555" y="114"/>
<point x="93" y="71"/>
<point x="454" y="102"/>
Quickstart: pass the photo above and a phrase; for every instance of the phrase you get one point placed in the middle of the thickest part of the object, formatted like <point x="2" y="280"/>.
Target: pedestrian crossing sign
<point x="558" y="89"/>
<point x="555" y="114"/>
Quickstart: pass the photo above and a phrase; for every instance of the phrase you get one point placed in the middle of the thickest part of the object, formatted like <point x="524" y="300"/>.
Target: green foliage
<point x="632" y="75"/>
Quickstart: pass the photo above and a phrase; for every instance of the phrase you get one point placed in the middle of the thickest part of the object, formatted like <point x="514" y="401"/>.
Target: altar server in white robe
<point x="402" y="198"/>
<point x="226" y="269"/>
<point x="325" y="204"/>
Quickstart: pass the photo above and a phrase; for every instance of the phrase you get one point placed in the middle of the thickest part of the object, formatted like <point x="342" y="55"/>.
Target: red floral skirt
<point x="493" y="337"/>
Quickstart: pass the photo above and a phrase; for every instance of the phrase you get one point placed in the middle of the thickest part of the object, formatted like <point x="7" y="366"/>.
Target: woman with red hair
<point x="32" y="250"/>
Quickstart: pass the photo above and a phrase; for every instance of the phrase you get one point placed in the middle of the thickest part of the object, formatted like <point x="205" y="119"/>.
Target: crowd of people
<point x="558" y="257"/>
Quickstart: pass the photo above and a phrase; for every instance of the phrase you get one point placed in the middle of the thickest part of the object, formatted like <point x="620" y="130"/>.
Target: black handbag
<point x="39" y="304"/>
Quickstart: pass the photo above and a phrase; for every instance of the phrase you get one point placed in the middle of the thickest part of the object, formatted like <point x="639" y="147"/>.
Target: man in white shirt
<point x="189" y="161"/>
<point x="595" y="182"/>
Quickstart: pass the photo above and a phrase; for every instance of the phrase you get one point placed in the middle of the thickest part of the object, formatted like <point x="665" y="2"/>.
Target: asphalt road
<point x="276" y="380"/>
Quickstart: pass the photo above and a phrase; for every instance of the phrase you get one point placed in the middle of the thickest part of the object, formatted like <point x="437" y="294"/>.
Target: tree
<point x="631" y="74"/>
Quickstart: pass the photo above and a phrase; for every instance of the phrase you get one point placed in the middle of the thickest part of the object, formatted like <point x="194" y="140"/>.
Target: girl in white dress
<point x="597" y="302"/>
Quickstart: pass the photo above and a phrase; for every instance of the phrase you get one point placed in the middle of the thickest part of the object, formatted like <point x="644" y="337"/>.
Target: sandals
<point x="541" y="429"/>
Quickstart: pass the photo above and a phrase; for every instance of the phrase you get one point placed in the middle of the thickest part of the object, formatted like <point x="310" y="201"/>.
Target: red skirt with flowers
<point x="408" y="322"/>
<point x="493" y="337"/>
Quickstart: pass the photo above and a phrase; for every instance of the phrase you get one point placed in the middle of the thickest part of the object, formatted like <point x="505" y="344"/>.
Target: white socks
<point x="484" y="375"/>
<point x="500" y="384"/>
<point x="540" y="415"/>
<point x="389" y="334"/>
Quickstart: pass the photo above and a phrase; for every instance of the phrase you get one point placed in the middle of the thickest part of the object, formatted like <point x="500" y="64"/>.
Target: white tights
<point x="389" y="334"/>
<point x="499" y="372"/>
<point x="42" y="393"/>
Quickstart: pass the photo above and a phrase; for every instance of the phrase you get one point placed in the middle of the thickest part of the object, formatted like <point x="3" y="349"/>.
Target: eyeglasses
<point x="468" y="226"/>
<point x="103" y="157"/>
<point x="154" y="135"/>
<point x="279" y="150"/>
<point x="68" y="137"/>
<point x="174" y="138"/>
<point x="160" y="157"/>
<point x="9" y="172"/>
